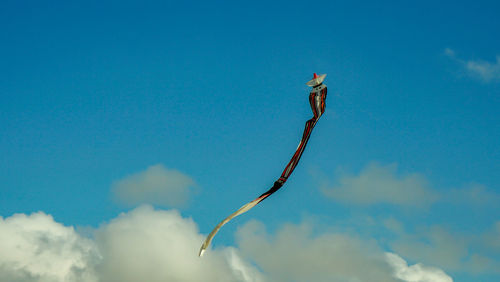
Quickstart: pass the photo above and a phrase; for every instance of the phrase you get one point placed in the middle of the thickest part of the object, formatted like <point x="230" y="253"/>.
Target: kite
<point x="317" y="99"/>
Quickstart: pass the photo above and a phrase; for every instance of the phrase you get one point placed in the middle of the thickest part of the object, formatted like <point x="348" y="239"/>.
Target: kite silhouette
<point x="317" y="99"/>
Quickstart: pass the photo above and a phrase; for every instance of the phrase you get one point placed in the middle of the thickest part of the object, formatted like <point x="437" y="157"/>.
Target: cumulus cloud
<point x="382" y="184"/>
<point x="157" y="245"/>
<point x="243" y="269"/>
<point x="492" y="238"/>
<point x="449" y="52"/>
<point x="474" y="194"/>
<point x="435" y="245"/>
<point x="454" y="251"/>
<point x="156" y="185"/>
<point x="141" y="245"/>
<point x="36" y="248"/>
<point x="152" y="245"/>
<point x="378" y="184"/>
<point x="299" y="253"/>
<point x="483" y="70"/>
<point x="417" y="272"/>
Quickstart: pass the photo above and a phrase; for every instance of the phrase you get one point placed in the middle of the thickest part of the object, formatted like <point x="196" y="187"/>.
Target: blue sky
<point x="210" y="100"/>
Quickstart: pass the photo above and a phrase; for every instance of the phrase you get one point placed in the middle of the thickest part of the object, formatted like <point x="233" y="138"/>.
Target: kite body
<point x="317" y="99"/>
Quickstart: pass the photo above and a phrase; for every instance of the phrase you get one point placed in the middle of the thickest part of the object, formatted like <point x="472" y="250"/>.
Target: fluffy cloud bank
<point x="484" y="70"/>
<point x="156" y="185"/>
<point x="149" y="245"/>
<point x="154" y="245"/>
<point x="473" y="253"/>
<point x="295" y="254"/>
<point x="417" y="272"/>
<point x="36" y="248"/>
<point x="381" y="184"/>
<point x="300" y="253"/>
<point x="142" y="245"/>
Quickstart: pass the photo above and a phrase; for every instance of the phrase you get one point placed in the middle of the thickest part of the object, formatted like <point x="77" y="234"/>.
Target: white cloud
<point x="416" y="272"/>
<point x="473" y="194"/>
<point x="242" y="269"/>
<point x="483" y="70"/>
<point x="449" y="52"/>
<point x="156" y="245"/>
<point x="381" y="184"/>
<point x="151" y="245"/>
<point x="492" y="238"/>
<point x="376" y="184"/>
<point x="156" y="185"/>
<point x="453" y="251"/>
<point x="36" y="248"/>
<point x="142" y="245"/>
<point x="434" y="245"/>
<point x="299" y="253"/>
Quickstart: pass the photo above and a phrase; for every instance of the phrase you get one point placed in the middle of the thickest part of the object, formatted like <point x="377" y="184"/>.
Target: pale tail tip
<point x="201" y="252"/>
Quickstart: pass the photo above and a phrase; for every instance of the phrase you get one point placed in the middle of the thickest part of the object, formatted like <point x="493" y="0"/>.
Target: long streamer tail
<point x="317" y="100"/>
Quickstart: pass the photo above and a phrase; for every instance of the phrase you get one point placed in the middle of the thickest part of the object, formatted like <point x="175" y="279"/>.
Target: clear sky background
<point x="177" y="113"/>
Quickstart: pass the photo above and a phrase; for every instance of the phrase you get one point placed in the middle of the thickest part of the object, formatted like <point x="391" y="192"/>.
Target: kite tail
<point x="317" y="101"/>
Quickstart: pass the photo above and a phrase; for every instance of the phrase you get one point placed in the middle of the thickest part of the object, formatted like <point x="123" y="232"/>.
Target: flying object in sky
<point x="317" y="99"/>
